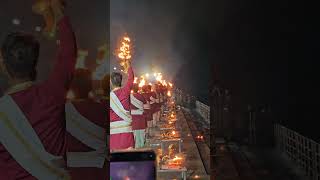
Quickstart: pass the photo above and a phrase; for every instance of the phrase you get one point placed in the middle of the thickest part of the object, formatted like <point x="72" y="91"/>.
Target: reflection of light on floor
<point x="126" y="178"/>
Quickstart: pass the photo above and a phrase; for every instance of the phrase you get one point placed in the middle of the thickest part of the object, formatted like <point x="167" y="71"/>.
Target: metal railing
<point x="303" y="151"/>
<point x="193" y="102"/>
<point x="203" y="110"/>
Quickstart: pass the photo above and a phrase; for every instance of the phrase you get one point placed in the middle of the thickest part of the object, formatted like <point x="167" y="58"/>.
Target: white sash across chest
<point x="153" y="100"/>
<point x="138" y="104"/>
<point x="24" y="145"/>
<point x="89" y="134"/>
<point x="124" y="125"/>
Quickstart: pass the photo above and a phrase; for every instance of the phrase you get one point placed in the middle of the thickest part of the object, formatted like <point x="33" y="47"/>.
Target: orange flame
<point x="142" y="83"/>
<point x="159" y="77"/>
<point x="124" y="50"/>
<point x="169" y="93"/>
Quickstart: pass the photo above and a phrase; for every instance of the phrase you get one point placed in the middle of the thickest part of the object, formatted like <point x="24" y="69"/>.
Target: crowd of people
<point x="134" y="109"/>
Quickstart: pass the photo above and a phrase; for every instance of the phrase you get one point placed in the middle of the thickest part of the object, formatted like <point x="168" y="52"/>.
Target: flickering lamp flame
<point x="131" y="91"/>
<point x="135" y="80"/>
<point x="126" y="39"/>
<point x="125" y="49"/>
<point x="159" y="77"/>
<point x="176" y="161"/>
<point x="164" y="83"/>
<point x="177" y="158"/>
<point x="170" y="84"/>
<point x="196" y="177"/>
<point x="114" y="68"/>
<point x="142" y="83"/>
<point x="173" y="133"/>
<point x="169" y="93"/>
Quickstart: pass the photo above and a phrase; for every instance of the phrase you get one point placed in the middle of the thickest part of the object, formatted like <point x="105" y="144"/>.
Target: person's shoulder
<point x="139" y="96"/>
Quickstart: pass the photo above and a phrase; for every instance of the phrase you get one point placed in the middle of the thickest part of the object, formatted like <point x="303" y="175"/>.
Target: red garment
<point x="148" y="112"/>
<point x="155" y="106"/>
<point x="122" y="140"/>
<point x="96" y="113"/>
<point x="43" y="105"/>
<point x="138" y="121"/>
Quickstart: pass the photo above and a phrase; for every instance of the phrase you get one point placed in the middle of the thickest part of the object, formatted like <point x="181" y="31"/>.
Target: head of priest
<point x="115" y="80"/>
<point x="81" y="84"/>
<point x="20" y="53"/>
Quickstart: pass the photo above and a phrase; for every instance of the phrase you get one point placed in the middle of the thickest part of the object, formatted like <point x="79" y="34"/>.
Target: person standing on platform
<point x="154" y="100"/>
<point x="121" y="135"/>
<point x="139" y="122"/>
<point x="32" y="116"/>
<point x="86" y="126"/>
<point x="148" y="108"/>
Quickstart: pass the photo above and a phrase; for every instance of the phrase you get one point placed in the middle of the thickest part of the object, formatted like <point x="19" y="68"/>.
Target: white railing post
<point x="303" y="151"/>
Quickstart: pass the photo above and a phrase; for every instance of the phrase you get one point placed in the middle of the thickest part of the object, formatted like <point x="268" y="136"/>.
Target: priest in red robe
<point x="121" y="135"/>
<point x="139" y="123"/>
<point x="41" y="105"/>
<point x="86" y="126"/>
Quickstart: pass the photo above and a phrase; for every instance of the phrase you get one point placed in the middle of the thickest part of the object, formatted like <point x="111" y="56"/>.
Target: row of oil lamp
<point x="172" y="159"/>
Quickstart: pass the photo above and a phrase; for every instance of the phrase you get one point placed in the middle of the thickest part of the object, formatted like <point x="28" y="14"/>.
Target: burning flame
<point x="173" y="133"/>
<point x="169" y="93"/>
<point x="176" y="161"/>
<point x="159" y="77"/>
<point x="170" y="84"/>
<point x="196" y="177"/>
<point x="124" y="50"/>
<point x="164" y="83"/>
<point x="142" y="83"/>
